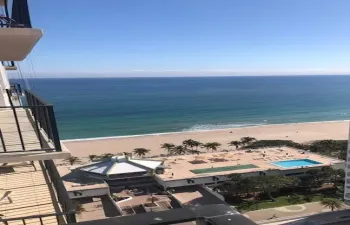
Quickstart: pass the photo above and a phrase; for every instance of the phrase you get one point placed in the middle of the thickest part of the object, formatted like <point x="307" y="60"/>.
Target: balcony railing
<point x="55" y="207"/>
<point x="44" y="117"/>
<point x="27" y="124"/>
<point x="61" y="192"/>
<point x="38" y="219"/>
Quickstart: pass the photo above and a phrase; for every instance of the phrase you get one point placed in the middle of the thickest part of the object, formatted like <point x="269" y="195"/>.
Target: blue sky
<point x="191" y="37"/>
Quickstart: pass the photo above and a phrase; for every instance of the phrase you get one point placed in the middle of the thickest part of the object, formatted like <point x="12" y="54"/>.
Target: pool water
<point x="222" y="169"/>
<point x="296" y="163"/>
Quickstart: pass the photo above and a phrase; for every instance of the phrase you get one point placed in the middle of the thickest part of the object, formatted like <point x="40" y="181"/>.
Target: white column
<point x="4" y="84"/>
<point x="347" y="174"/>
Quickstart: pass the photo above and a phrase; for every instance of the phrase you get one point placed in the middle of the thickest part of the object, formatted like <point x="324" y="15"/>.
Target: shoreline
<point x="298" y="132"/>
<point x="193" y="131"/>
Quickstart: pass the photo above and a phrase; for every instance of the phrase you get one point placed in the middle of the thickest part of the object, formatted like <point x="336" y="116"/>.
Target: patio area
<point x="25" y="192"/>
<point x="142" y="200"/>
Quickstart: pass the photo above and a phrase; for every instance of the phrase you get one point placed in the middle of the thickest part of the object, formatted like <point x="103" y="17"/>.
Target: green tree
<point x="141" y="152"/>
<point x="191" y="144"/>
<point x="230" y="188"/>
<point x="169" y="147"/>
<point x="212" y="146"/>
<point x="180" y="150"/>
<point x="92" y="157"/>
<point x="295" y="198"/>
<point x="315" y="174"/>
<point x="331" y="203"/>
<point x="247" y="140"/>
<point x="268" y="184"/>
<point x="235" y="143"/>
<point x="235" y="177"/>
<point x="196" y="144"/>
<point x="72" y="160"/>
<point x="247" y="185"/>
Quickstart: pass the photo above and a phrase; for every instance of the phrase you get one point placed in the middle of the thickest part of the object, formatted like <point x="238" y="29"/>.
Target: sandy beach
<point x="299" y="132"/>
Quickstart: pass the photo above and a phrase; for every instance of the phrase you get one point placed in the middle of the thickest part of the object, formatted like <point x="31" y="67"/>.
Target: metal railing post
<point x="54" y="130"/>
<point x="2" y="141"/>
<point x="16" y="119"/>
<point x="37" y="126"/>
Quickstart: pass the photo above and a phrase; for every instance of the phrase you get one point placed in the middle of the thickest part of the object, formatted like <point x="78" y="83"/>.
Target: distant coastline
<point x="105" y="107"/>
<point x="298" y="132"/>
<point x="196" y="131"/>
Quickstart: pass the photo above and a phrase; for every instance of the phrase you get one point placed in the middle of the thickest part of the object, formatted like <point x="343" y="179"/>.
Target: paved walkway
<point x="286" y="211"/>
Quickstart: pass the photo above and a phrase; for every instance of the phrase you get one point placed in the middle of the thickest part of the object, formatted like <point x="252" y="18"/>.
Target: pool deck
<point x="179" y="167"/>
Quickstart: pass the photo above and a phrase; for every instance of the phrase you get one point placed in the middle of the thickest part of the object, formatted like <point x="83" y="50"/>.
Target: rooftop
<point x="24" y="191"/>
<point x="224" y="163"/>
<point x="195" y="195"/>
<point x="117" y="165"/>
<point x="141" y="200"/>
<point x="75" y="180"/>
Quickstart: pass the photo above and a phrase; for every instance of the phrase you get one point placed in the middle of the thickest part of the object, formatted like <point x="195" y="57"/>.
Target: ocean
<point x="99" y="107"/>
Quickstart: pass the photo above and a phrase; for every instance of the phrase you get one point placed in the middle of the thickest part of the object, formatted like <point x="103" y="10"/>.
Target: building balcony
<point x="28" y="130"/>
<point x="17" y="38"/>
<point x="32" y="193"/>
<point x="17" y="43"/>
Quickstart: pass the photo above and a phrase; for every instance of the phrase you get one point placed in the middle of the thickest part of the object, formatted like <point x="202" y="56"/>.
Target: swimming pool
<point x="296" y="163"/>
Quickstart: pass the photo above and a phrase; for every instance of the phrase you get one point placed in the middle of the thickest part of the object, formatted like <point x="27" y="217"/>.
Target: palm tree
<point x="235" y="143"/>
<point x="92" y="157"/>
<point x="180" y="149"/>
<point x="247" y="140"/>
<point x="141" y="151"/>
<point x="191" y="143"/>
<point x="331" y="203"/>
<point x="212" y="145"/>
<point x="107" y="155"/>
<point x="72" y="160"/>
<point x="196" y="144"/>
<point x="169" y="147"/>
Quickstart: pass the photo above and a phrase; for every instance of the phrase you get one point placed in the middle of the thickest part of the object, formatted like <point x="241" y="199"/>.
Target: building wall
<point x="4" y="84"/>
<point x="88" y="193"/>
<point x="222" y="198"/>
<point x="210" y="182"/>
<point x="347" y="175"/>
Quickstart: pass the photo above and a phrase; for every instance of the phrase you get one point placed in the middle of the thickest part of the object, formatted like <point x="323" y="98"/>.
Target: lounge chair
<point x="6" y="195"/>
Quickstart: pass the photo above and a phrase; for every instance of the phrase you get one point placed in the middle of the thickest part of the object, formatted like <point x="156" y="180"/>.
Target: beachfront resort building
<point x="123" y="172"/>
<point x="208" y="169"/>
<point x="347" y="174"/>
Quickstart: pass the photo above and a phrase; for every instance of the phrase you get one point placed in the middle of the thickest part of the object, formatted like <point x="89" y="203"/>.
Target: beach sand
<point x="299" y="132"/>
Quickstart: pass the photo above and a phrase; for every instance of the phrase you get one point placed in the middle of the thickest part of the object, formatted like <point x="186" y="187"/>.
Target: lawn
<point x="225" y="168"/>
<point x="280" y="201"/>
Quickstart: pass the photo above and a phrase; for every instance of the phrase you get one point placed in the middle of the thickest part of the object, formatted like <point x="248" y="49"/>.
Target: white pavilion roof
<point x="120" y="165"/>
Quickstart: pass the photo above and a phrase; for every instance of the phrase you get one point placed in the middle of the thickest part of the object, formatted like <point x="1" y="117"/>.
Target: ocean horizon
<point x="104" y="107"/>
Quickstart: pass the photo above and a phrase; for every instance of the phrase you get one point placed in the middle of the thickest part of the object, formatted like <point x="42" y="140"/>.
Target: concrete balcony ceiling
<point x="17" y="43"/>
